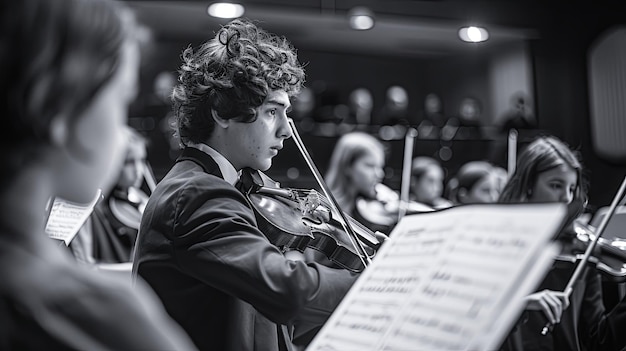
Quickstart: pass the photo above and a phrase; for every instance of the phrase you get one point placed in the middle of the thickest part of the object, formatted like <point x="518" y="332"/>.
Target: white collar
<point x="229" y="172"/>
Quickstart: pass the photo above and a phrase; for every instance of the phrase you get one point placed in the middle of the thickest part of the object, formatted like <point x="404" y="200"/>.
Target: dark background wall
<point x="561" y="86"/>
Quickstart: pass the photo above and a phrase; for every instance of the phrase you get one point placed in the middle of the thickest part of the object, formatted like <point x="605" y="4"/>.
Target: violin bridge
<point x="309" y="203"/>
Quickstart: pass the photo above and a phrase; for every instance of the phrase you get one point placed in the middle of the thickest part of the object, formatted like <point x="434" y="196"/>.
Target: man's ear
<point x="59" y="130"/>
<point x="224" y="123"/>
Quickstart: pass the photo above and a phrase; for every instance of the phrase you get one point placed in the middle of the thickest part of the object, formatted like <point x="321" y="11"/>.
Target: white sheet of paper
<point x="447" y="280"/>
<point x="66" y="218"/>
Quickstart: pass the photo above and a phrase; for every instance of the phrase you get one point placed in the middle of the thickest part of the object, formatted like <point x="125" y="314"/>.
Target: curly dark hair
<point x="231" y="74"/>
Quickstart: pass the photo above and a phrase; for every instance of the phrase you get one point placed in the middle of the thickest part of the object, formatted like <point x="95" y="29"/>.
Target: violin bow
<point x="405" y="185"/>
<point x="333" y="202"/>
<point x="581" y="264"/>
<point x="511" y="151"/>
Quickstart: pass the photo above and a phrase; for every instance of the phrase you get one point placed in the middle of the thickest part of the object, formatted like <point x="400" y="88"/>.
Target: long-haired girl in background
<point x="549" y="171"/>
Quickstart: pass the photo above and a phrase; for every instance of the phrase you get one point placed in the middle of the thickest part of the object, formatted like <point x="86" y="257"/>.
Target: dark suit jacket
<point x="218" y="276"/>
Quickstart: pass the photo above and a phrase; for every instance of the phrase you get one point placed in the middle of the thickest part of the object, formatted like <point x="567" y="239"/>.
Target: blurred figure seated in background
<point x="109" y="234"/>
<point x="396" y="107"/>
<point x="427" y="179"/>
<point x="361" y="103"/>
<point x="475" y="182"/>
<point x="354" y="177"/>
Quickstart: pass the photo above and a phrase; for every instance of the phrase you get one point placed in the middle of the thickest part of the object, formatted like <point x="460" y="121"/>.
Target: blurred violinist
<point x="427" y="179"/>
<point x="199" y="244"/>
<point x="474" y="183"/>
<point x="108" y="236"/>
<point x="354" y="177"/>
<point x="548" y="171"/>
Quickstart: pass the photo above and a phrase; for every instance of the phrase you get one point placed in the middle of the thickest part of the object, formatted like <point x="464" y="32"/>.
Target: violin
<point x="608" y="256"/>
<point x="298" y="219"/>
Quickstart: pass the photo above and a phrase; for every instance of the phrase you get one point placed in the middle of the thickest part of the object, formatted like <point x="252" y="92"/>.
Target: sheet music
<point x="66" y="218"/>
<point x="447" y="280"/>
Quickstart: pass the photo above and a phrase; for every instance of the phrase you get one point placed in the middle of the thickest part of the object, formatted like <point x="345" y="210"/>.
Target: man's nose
<point x="284" y="130"/>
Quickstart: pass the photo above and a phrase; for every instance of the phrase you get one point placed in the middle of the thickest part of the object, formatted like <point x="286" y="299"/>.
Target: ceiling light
<point x="473" y="34"/>
<point x="225" y="10"/>
<point x="361" y="18"/>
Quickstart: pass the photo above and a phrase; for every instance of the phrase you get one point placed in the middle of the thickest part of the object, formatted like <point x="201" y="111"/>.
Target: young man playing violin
<point x="199" y="245"/>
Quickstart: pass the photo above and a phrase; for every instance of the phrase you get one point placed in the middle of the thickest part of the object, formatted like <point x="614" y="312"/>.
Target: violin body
<point x="285" y="234"/>
<point x="294" y="219"/>
<point x="607" y="256"/>
<point x="330" y="240"/>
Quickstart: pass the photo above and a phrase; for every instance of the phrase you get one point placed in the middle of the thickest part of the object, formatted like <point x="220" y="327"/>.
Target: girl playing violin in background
<point x="548" y="171"/>
<point x="355" y="169"/>
<point x="355" y="175"/>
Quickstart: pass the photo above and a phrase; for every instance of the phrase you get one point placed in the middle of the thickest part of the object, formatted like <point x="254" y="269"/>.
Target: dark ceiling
<point x="405" y="28"/>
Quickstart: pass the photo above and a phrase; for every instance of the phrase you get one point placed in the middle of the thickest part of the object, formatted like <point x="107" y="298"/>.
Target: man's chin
<point x="265" y="166"/>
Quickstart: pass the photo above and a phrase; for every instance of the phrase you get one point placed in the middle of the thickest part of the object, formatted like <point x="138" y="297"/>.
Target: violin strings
<point x="365" y="259"/>
<point x="326" y="204"/>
